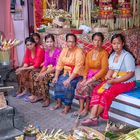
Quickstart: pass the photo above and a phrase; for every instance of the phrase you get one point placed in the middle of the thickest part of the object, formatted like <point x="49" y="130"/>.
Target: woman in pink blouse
<point x="34" y="56"/>
<point x="47" y="72"/>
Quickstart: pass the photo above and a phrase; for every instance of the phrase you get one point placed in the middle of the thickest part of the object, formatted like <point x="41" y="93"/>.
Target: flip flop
<point x="27" y="99"/>
<point x="20" y="96"/>
<point x="23" y="94"/>
<point x="36" y="100"/>
<point x="46" y="104"/>
<point x="89" y="122"/>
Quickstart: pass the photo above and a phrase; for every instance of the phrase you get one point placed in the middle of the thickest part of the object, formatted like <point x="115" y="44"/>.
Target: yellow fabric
<point x="115" y="74"/>
<point x="76" y="58"/>
<point x="101" y="89"/>
<point x="101" y="63"/>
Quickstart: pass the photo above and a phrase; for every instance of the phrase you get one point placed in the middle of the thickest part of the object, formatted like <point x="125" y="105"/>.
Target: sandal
<point x="36" y="100"/>
<point x="46" y="103"/>
<point x="29" y="98"/>
<point x="22" y="95"/>
<point x="90" y="122"/>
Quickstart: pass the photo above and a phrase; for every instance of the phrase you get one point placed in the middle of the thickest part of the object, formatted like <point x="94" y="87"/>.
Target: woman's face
<point x="30" y="45"/>
<point x="97" y="41"/>
<point x="71" y="42"/>
<point x="49" y="43"/>
<point x="36" y="39"/>
<point x="117" y="44"/>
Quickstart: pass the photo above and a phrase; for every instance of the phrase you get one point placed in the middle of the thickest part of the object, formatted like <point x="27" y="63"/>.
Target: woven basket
<point x="89" y="130"/>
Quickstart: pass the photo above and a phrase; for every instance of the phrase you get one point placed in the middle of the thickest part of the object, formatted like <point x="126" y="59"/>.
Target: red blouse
<point x="37" y="60"/>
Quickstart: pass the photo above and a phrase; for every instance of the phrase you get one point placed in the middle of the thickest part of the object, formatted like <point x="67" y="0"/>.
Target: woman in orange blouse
<point x="96" y="67"/>
<point x="71" y="61"/>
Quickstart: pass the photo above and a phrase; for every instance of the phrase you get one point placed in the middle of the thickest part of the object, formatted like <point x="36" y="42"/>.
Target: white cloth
<point x="126" y="63"/>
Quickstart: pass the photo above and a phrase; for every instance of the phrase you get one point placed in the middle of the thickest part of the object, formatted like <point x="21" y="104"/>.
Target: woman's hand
<point x="83" y="82"/>
<point x="55" y="79"/>
<point x="40" y="76"/>
<point x="66" y="83"/>
<point x="88" y="82"/>
<point x="111" y="81"/>
<point x="19" y="70"/>
<point x="107" y="77"/>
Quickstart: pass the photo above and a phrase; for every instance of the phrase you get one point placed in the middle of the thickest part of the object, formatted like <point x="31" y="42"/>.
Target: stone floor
<point x="33" y="113"/>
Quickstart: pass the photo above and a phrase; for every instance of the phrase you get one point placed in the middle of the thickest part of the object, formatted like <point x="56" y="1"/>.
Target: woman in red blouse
<point x="34" y="57"/>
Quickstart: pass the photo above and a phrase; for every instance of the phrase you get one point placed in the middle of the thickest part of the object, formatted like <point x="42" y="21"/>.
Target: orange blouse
<point x="101" y="64"/>
<point x="76" y="58"/>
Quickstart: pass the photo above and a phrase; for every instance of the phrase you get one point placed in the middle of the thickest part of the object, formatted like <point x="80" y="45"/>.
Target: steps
<point x="126" y="107"/>
<point x="7" y="130"/>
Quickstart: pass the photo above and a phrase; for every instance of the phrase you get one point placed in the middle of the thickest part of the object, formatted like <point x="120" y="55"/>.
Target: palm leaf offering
<point x="115" y="131"/>
<point x="8" y="44"/>
<point x="86" y="133"/>
<point x="53" y="135"/>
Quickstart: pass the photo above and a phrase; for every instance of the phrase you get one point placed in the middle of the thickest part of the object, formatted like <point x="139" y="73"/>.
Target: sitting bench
<point x="126" y="107"/>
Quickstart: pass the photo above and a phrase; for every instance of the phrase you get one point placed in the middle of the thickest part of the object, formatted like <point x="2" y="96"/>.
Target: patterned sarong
<point x="63" y="93"/>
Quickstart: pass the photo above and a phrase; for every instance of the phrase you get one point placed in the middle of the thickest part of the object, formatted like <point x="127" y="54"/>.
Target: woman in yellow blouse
<point x="68" y="73"/>
<point x="96" y="67"/>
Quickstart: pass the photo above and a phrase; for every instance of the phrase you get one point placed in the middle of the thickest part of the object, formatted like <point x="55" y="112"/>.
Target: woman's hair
<point x="70" y="34"/>
<point x="125" y="47"/>
<point x="98" y="34"/>
<point x="36" y="34"/>
<point x="50" y="36"/>
<point x="29" y="39"/>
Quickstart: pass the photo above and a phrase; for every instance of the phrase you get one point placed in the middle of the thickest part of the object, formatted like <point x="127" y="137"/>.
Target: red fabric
<point x="105" y="99"/>
<point x="38" y="12"/>
<point x="72" y="68"/>
<point x="37" y="60"/>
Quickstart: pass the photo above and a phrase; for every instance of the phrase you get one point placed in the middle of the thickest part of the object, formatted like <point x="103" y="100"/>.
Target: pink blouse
<point x="53" y="59"/>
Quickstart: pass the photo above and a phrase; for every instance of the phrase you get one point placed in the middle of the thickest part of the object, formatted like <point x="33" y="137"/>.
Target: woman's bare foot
<point x="46" y="103"/>
<point x="36" y="99"/>
<point x="84" y="113"/>
<point x="66" y="110"/>
<point x="32" y="97"/>
<point x="57" y="106"/>
<point x="21" y="94"/>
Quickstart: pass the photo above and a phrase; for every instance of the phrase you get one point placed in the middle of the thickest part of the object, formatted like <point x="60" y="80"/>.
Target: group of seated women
<point x="95" y="78"/>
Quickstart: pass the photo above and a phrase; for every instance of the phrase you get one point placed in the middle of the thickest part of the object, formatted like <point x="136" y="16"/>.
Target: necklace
<point x="95" y="55"/>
